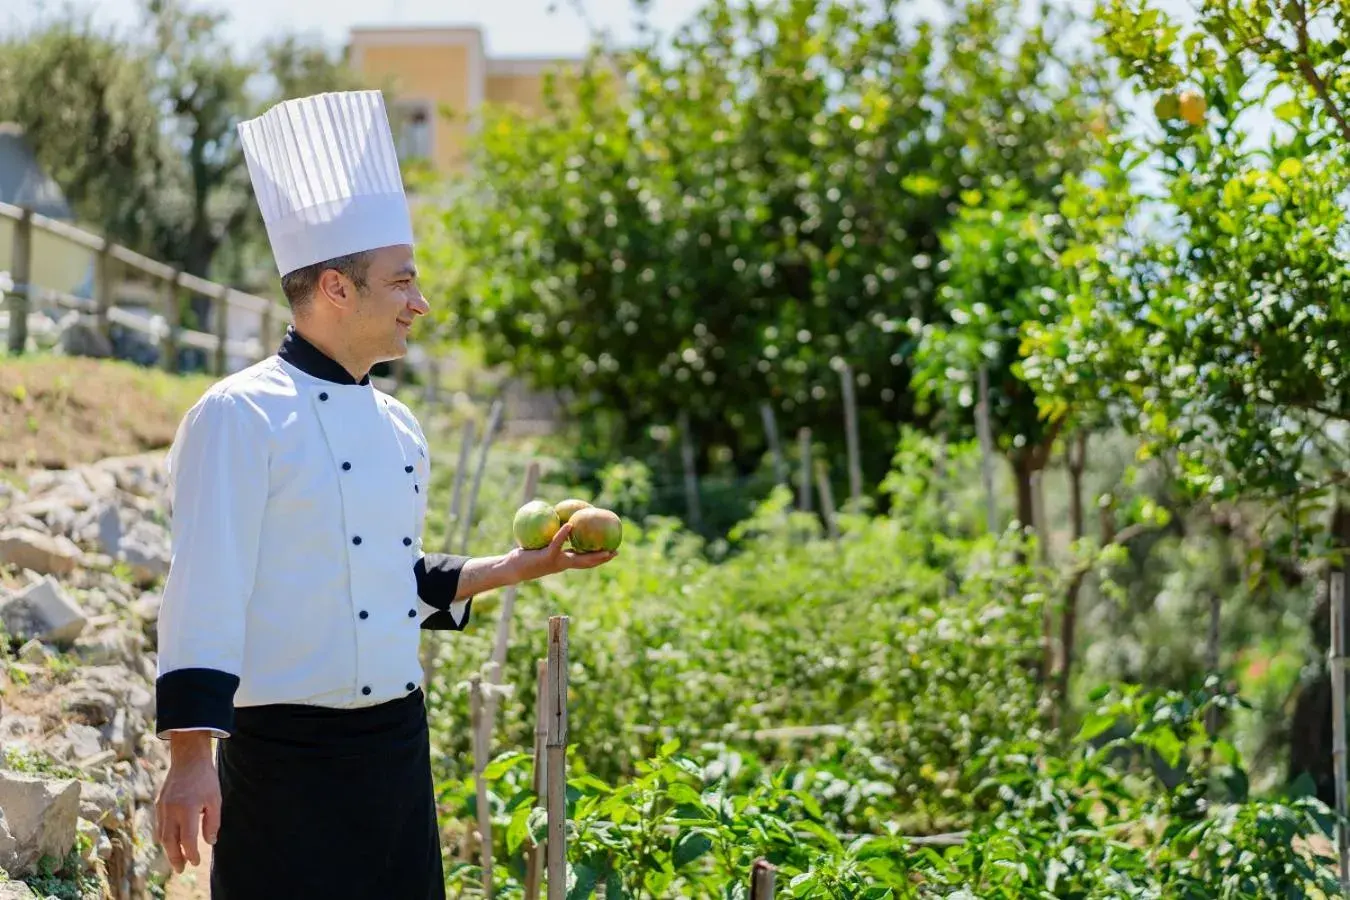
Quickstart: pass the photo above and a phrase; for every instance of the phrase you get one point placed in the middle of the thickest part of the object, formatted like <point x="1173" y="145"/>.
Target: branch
<point x="1311" y="74"/>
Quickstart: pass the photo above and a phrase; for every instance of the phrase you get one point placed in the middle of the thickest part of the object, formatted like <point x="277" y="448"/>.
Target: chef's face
<point x="384" y="313"/>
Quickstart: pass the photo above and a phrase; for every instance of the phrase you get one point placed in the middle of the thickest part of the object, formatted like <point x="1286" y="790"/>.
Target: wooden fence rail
<point x="164" y="326"/>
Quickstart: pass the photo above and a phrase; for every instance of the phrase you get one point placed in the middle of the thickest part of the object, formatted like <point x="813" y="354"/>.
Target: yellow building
<point x="437" y="81"/>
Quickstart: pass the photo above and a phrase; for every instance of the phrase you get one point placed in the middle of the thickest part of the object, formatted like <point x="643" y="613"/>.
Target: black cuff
<point x="438" y="578"/>
<point x="443" y="621"/>
<point x="195" y="698"/>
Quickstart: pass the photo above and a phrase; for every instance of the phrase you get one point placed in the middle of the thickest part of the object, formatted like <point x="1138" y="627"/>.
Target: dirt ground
<point x="195" y="881"/>
<point x="61" y="411"/>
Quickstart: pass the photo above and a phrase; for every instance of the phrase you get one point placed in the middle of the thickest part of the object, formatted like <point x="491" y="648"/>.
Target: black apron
<point x="330" y="804"/>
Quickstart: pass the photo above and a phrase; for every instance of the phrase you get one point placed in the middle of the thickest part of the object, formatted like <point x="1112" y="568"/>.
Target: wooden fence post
<point x="780" y="466"/>
<point x="105" y="289"/>
<point x="690" y="472"/>
<point x="480" y="754"/>
<point x="534" y="856"/>
<point x="168" y="344"/>
<point x="804" y="475"/>
<point x="266" y="328"/>
<point x="986" y="435"/>
<point x="762" y="876"/>
<point x="1338" y="747"/>
<point x="461" y="476"/>
<point x="851" y="436"/>
<point x="826" y="499"/>
<point x="556" y="743"/>
<point x="494" y="417"/>
<point x="21" y="273"/>
<point x="508" y="605"/>
<point x="221" y="306"/>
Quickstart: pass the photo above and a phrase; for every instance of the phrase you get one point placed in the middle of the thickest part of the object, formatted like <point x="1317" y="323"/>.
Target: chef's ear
<point x="335" y="289"/>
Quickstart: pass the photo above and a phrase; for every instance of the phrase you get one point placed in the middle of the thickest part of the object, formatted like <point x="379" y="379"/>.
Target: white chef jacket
<point x="297" y="574"/>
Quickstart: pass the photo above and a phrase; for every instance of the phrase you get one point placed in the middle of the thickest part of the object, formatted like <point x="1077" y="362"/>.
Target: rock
<point x="91" y="833"/>
<point x="41" y="814"/>
<point x="111" y="645"/>
<point x="109" y="529"/>
<point x="16" y="727"/>
<point x="82" y="339"/>
<point x="148" y="562"/>
<point x="43" y="553"/>
<point x="81" y="742"/>
<point x="147" y="608"/>
<point x="36" y="652"/>
<point x="43" y="611"/>
<point x="91" y="706"/>
<point x="99" y="804"/>
<point x="119" y="737"/>
<point x="47" y="481"/>
<point x="16" y="890"/>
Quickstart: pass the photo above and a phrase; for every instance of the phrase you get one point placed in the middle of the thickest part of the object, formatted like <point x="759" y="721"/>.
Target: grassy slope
<point x="60" y="411"/>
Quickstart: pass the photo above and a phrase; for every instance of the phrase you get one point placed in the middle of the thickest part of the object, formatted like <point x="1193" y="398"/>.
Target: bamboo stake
<point x="851" y="436"/>
<point x="21" y="274"/>
<point x="780" y="466"/>
<point x="1338" y="748"/>
<point x="826" y="498"/>
<point x="508" y="606"/>
<point x="1212" y="657"/>
<point x="461" y="475"/>
<point x="556" y="744"/>
<point x="494" y="417"/>
<point x="690" y="472"/>
<point x="534" y="856"/>
<point x="986" y="435"/>
<point x="479" y="764"/>
<point x="762" y="880"/>
<point x="804" y="475"/>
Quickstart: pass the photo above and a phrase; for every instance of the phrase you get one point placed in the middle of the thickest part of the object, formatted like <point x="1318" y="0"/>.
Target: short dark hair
<point x="299" y="286"/>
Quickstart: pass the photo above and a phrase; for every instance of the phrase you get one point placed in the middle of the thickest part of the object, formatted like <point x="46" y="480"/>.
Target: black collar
<point x="312" y="361"/>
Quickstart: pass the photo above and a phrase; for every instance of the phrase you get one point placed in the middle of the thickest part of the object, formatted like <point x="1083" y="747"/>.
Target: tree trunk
<point x="1023" y="465"/>
<point x="1076" y="459"/>
<point x="1310" y="728"/>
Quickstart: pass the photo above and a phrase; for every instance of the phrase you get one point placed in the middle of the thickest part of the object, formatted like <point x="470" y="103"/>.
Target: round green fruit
<point x="595" y="529"/>
<point x="567" y="508"/>
<point x="535" y="525"/>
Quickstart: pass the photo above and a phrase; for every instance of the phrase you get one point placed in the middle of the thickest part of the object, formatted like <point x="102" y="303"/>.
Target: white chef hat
<point x="326" y="177"/>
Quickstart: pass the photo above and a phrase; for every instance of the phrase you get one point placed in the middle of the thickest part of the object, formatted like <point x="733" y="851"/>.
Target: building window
<point x="413" y="131"/>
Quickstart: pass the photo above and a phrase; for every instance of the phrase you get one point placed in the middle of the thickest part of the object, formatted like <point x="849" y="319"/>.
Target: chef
<point x="298" y="589"/>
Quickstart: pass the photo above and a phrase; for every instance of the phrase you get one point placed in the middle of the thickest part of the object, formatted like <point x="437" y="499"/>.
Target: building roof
<point x="22" y="180"/>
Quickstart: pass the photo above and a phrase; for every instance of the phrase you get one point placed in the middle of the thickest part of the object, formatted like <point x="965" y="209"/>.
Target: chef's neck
<point x="332" y="344"/>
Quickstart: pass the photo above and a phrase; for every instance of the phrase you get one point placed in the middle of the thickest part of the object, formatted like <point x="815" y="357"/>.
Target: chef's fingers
<point x="170" y="841"/>
<point x="560" y="539"/>
<point x="211" y="820"/>
<point x="189" y="832"/>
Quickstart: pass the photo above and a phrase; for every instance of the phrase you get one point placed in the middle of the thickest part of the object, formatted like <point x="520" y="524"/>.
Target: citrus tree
<point x="1206" y="305"/>
<point x="726" y="221"/>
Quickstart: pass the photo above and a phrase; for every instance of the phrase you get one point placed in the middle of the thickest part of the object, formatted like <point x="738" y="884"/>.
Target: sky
<point x="510" y="27"/>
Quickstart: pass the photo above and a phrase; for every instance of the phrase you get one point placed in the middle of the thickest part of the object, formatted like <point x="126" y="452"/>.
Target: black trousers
<point x="328" y="804"/>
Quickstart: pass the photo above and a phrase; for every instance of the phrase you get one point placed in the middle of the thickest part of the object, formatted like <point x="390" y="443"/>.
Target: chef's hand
<point x="557" y="558"/>
<point x="189" y="798"/>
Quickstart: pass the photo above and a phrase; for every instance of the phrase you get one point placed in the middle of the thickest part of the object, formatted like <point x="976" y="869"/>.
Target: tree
<point x="725" y="223"/>
<point x="1209" y="316"/>
<point x="140" y="131"/>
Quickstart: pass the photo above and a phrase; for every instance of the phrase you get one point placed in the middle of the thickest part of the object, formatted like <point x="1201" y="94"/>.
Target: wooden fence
<point x="116" y="273"/>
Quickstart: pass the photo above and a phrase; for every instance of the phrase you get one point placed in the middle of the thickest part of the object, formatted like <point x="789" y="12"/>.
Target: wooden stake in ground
<point x="534" y="856"/>
<point x="851" y="436"/>
<point x="690" y="472"/>
<point x="780" y="466"/>
<point x="762" y="876"/>
<point x="1338" y="721"/>
<point x="826" y="498"/>
<point x="494" y="417"/>
<point x="556" y="744"/>
<point x="804" y="475"/>
<point x="986" y="435"/>
<point x="461" y="476"/>
<point x="495" y="671"/>
<point x="480" y="752"/>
